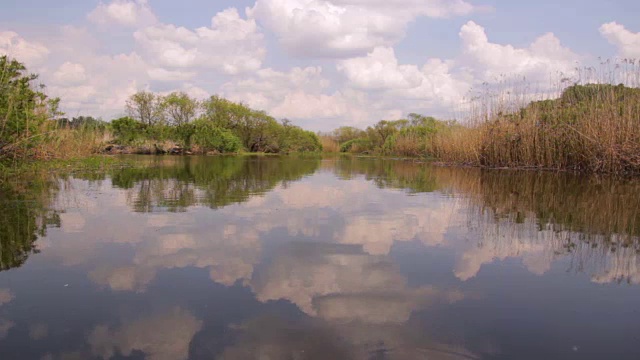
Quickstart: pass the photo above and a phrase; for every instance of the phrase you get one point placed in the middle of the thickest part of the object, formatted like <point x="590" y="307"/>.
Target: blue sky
<point x="321" y="63"/>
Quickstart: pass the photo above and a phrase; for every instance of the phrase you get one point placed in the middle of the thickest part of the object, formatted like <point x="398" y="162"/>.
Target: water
<point x="302" y="258"/>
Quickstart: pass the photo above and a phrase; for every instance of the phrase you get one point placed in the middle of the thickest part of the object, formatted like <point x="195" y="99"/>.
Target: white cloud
<point x="343" y="28"/>
<point x="129" y="13"/>
<point x="70" y="73"/>
<point x="232" y="44"/>
<point x="161" y="74"/>
<point x="109" y="81"/>
<point x="627" y="42"/>
<point x="30" y="53"/>
<point x="544" y="58"/>
<point x="6" y="296"/>
<point x="301" y="93"/>
<point x="226" y="58"/>
<point x="380" y="70"/>
<point x="433" y="85"/>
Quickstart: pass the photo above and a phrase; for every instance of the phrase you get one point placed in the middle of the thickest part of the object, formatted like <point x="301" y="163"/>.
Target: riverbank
<point x="592" y="128"/>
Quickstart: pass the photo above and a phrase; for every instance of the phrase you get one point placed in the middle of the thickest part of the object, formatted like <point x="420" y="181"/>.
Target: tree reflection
<point x="25" y="205"/>
<point x="174" y="184"/>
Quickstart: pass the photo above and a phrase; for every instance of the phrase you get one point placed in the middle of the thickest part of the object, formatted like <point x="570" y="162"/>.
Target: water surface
<point x="307" y="258"/>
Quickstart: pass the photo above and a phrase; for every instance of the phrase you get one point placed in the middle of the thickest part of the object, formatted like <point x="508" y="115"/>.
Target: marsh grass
<point x="593" y="127"/>
<point x="329" y="145"/>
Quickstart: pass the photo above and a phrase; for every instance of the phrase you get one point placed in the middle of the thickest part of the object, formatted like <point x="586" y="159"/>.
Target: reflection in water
<point x="343" y="283"/>
<point x="26" y="213"/>
<point x="302" y="258"/>
<point x="175" y="184"/>
<point x="162" y="337"/>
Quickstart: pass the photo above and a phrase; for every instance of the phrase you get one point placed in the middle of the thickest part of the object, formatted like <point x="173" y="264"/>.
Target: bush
<point x="23" y="111"/>
<point x="357" y="146"/>
<point x="127" y="130"/>
<point x="210" y="137"/>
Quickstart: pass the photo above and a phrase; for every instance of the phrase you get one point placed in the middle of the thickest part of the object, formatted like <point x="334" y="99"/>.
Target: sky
<point x="320" y="63"/>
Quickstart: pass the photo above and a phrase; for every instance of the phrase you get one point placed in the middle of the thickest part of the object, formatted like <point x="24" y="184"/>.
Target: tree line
<point x="405" y="137"/>
<point x="215" y="124"/>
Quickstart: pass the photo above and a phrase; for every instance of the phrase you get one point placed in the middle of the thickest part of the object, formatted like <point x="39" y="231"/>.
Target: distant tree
<point x="146" y="107"/>
<point x="347" y="133"/>
<point x="180" y="109"/>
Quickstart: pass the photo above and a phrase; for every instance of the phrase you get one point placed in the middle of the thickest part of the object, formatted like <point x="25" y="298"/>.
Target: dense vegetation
<point x="24" y="111"/>
<point x="405" y="137"/>
<point x="591" y="128"/>
<point x="32" y="127"/>
<point x="214" y="125"/>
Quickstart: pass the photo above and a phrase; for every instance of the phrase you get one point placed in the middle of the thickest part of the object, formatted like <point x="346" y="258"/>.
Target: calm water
<point x="301" y="258"/>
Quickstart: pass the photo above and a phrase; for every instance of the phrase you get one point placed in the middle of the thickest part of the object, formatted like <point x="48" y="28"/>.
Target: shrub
<point x="210" y="137"/>
<point x="127" y="130"/>
<point x="23" y="111"/>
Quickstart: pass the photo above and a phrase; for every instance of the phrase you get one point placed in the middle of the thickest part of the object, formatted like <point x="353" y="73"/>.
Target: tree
<point x="146" y="107"/>
<point x="180" y="108"/>
<point x="346" y="133"/>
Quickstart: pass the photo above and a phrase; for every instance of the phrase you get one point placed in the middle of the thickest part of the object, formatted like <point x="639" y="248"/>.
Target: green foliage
<point x="296" y="139"/>
<point x="127" y="130"/>
<point x="356" y="145"/>
<point x="406" y="137"/>
<point x="146" y="107"/>
<point x="215" y="181"/>
<point x="25" y="206"/>
<point x="346" y="133"/>
<point x="23" y="110"/>
<point x="82" y="123"/>
<point x="180" y="109"/>
<point x="210" y="137"/>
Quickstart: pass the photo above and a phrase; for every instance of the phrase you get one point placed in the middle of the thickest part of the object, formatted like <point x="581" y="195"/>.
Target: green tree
<point x="146" y="107"/>
<point x="180" y="108"/>
<point x="210" y="137"/>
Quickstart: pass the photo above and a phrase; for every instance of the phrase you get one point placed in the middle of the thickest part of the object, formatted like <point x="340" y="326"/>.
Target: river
<point x="299" y="257"/>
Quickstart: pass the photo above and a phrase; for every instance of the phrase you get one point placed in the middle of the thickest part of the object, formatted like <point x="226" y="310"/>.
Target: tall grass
<point x="593" y="127"/>
<point x="61" y="142"/>
<point x="329" y="145"/>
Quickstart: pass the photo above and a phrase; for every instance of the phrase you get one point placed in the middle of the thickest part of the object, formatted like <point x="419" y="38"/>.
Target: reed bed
<point x="594" y="127"/>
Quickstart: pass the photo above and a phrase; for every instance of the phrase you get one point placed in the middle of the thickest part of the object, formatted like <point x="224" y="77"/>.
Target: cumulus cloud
<point x="232" y="44"/>
<point x="129" y="13"/>
<point x="14" y="46"/>
<point x="432" y="85"/>
<point x="544" y="57"/>
<point x="344" y="28"/>
<point x="161" y="74"/>
<point x="301" y="93"/>
<point x="109" y="81"/>
<point x="380" y="70"/>
<point x="70" y="73"/>
<point x="627" y="42"/>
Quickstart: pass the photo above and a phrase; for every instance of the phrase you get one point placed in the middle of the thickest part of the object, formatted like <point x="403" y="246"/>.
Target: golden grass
<point x="329" y="145"/>
<point x="590" y="128"/>
<point x="66" y="143"/>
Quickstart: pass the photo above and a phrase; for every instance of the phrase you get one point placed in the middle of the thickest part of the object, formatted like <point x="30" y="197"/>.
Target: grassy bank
<point x="588" y="128"/>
